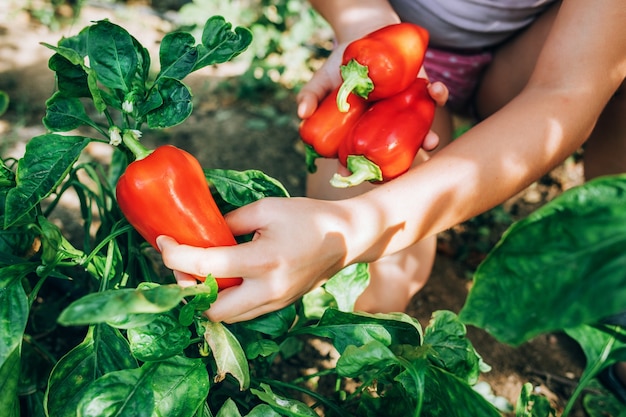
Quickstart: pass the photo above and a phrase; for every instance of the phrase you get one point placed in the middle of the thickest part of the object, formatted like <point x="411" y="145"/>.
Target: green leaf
<point x="103" y="350"/>
<point x="9" y="384"/>
<point x="177" y="55"/>
<point x="160" y="339"/>
<point x="283" y="405"/>
<point x="65" y="113"/>
<point x="71" y="77"/>
<point x="221" y="44"/>
<point x="275" y="324"/>
<point x="229" y="409"/>
<point x="180" y="387"/>
<point x="355" y="361"/>
<point x="14" y="308"/>
<point x="46" y="162"/>
<point x="238" y="188"/>
<point x="228" y="354"/>
<point x="357" y="329"/>
<point x="125" y="393"/>
<point x="554" y="269"/>
<point x="261" y="410"/>
<point x="451" y="349"/>
<point x="14" y="311"/>
<point x="448" y="396"/>
<point x="261" y="347"/>
<point x="532" y="405"/>
<point x="348" y="284"/>
<point x="112" y="305"/>
<point x="112" y="55"/>
<point x="177" y="104"/>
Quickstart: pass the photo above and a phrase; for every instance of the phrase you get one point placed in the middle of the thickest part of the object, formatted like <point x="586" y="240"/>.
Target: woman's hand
<point x="298" y="243"/>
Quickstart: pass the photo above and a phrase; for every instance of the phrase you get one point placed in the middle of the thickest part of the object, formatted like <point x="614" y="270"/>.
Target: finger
<point x="439" y="92"/>
<point x="307" y="103"/>
<point x="227" y="261"/>
<point x="185" y="280"/>
<point x="250" y="300"/>
<point x="431" y="141"/>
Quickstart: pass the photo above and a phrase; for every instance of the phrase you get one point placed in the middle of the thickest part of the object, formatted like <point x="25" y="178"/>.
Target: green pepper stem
<point x="362" y="170"/>
<point x="135" y="146"/>
<point x="355" y="80"/>
<point x="310" y="155"/>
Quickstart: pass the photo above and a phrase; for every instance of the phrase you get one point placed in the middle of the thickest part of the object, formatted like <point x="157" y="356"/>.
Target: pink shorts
<point x="460" y="72"/>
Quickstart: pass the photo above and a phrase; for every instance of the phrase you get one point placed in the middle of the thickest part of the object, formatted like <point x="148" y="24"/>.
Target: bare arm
<point x="577" y="73"/>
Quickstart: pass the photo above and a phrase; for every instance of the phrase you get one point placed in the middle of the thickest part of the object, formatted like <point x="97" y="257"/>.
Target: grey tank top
<point x="470" y="24"/>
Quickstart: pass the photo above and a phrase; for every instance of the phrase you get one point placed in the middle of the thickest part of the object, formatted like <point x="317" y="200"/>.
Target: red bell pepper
<point x="165" y="192"/>
<point x="386" y="139"/>
<point x="324" y="130"/>
<point x="382" y="63"/>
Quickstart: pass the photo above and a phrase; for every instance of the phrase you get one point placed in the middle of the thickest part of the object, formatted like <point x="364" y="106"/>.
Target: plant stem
<point x="135" y="147"/>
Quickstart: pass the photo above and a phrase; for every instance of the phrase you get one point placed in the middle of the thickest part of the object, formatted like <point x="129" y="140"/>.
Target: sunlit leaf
<point x="228" y="354"/>
<point x="112" y="55"/>
<point x="125" y="393"/>
<point x="556" y="268"/>
<point x="46" y="162"/>
<point x="180" y="386"/>
<point x="103" y="350"/>
<point x="160" y="339"/>
<point x="283" y="405"/>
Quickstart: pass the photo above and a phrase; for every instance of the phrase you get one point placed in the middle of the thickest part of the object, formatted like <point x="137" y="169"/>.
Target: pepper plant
<point x="136" y="344"/>
<point x="142" y="346"/>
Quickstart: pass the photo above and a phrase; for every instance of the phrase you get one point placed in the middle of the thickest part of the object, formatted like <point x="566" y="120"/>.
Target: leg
<point x="396" y="278"/>
<point x="605" y="150"/>
<point x="512" y="65"/>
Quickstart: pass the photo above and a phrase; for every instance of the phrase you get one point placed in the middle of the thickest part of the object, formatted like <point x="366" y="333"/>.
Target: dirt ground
<point x="225" y="132"/>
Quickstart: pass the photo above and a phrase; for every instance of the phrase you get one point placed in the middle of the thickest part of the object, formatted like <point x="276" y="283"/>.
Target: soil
<point x="261" y="133"/>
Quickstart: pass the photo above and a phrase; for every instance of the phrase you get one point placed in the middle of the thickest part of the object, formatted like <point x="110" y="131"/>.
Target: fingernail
<point x="158" y="242"/>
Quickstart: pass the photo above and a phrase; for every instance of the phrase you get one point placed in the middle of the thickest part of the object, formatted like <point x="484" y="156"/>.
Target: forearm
<point x="352" y="19"/>
<point x="492" y="162"/>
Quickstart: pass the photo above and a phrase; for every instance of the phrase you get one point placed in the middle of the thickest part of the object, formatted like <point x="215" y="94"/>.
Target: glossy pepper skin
<point x="382" y="63"/>
<point x="326" y="128"/>
<point x="166" y="193"/>
<point x="386" y="139"/>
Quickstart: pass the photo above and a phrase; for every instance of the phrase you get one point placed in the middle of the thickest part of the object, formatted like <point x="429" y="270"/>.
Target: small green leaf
<point x="64" y="113"/>
<point x="178" y="55"/>
<point x="111" y="305"/>
<point x="451" y="349"/>
<point x="283" y="405"/>
<point x="348" y="284"/>
<point x="46" y="162"/>
<point x="221" y="44"/>
<point x="275" y="324"/>
<point x="112" y="55"/>
<point x="238" y="188"/>
<point x="228" y="354"/>
<point x="354" y="361"/>
<point x="71" y="77"/>
<point x="177" y="104"/>
<point x="345" y="329"/>
<point x="160" y="339"/>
